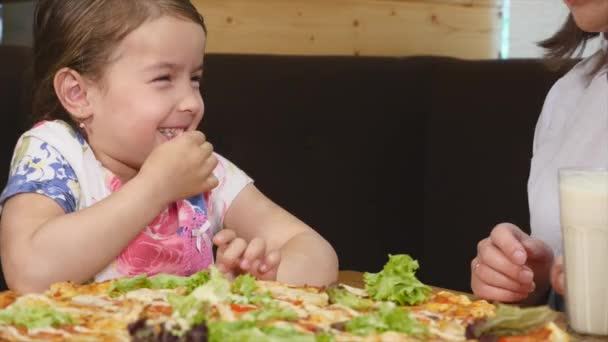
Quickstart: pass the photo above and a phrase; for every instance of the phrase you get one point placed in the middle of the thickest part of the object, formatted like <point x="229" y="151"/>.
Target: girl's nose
<point x="191" y="101"/>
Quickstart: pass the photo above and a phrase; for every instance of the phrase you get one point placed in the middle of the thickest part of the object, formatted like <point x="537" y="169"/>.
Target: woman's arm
<point x="306" y="257"/>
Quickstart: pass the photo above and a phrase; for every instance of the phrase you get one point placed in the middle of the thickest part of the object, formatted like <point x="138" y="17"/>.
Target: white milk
<point x="584" y="219"/>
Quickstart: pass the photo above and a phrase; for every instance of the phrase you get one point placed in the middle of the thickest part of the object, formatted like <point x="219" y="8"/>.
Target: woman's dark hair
<point x="569" y="42"/>
<point x="81" y="35"/>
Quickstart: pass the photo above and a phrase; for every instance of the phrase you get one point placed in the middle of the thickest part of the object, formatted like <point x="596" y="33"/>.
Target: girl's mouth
<point x="171" y="133"/>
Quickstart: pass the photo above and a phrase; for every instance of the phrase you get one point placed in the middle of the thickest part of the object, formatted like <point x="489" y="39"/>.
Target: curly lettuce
<point x="35" y="317"/>
<point x="388" y="318"/>
<point x="160" y="281"/>
<point x="397" y="282"/>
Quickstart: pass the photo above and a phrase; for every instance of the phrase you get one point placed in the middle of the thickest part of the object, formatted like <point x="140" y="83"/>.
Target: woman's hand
<point x="235" y="256"/>
<point x="511" y="266"/>
<point x="557" y="276"/>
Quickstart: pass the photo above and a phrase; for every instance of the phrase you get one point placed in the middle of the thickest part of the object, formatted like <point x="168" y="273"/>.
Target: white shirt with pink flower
<point x="54" y="160"/>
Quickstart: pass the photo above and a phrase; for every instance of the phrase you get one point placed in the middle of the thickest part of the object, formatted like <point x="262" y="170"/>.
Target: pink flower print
<point x="190" y="216"/>
<point x="165" y="224"/>
<point x="146" y="255"/>
<point x="113" y="183"/>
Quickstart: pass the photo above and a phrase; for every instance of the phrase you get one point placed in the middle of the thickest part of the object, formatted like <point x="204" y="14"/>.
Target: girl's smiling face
<point x="590" y="15"/>
<point x="149" y="93"/>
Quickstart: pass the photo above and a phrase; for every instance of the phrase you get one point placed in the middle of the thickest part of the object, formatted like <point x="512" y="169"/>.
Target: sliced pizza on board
<point x="393" y="306"/>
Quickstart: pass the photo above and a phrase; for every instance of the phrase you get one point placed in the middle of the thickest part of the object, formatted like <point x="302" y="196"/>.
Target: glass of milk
<point x="584" y="221"/>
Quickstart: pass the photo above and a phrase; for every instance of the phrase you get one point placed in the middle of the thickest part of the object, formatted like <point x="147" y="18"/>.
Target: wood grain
<point x="461" y="28"/>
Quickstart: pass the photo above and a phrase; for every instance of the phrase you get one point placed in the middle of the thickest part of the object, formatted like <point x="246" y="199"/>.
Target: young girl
<point x="115" y="180"/>
<point x="572" y="131"/>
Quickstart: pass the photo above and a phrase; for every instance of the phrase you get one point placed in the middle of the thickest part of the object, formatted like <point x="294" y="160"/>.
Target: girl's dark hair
<point x="569" y="42"/>
<point x="81" y="35"/>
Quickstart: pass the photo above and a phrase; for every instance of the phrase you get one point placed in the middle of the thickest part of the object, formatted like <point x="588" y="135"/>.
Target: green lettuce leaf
<point x="197" y="279"/>
<point x="35" y="317"/>
<point x="167" y="281"/>
<point x="189" y="308"/>
<point x="248" y="331"/>
<point x="269" y="313"/>
<point x="397" y="282"/>
<point x="346" y="298"/>
<point x="325" y="337"/>
<point x="160" y="281"/>
<point x="216" y="290"/>
<point x="246" y="291"/>
<point x="244" y="285"/>
<point x="125" y="285"/>
<point x="386" y="319"/>
<point x="514" y="321"/>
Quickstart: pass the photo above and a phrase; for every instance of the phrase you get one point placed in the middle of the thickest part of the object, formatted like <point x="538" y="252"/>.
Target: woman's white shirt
<point x="572" y="131"/>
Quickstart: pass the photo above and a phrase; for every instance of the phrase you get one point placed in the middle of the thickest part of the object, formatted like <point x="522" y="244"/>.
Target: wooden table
<point x="355" y="279"/>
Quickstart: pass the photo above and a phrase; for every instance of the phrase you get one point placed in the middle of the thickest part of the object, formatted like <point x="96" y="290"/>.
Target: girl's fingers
<point x="255" y="250"/>
<point x="272" y="260"/>
<point x="232" y="253"/>
<point x="255" y="266"/>
<point x="223" y="237"/>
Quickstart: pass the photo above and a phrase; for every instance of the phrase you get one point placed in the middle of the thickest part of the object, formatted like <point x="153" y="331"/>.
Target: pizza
<point x="393" y="306"/>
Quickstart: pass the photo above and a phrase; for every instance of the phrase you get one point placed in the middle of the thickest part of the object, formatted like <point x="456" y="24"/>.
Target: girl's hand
<point x="235" y="256"/>
<point x="182" y="167"/>
<point x="557" y="276"/>
<point x="510" y="265"/>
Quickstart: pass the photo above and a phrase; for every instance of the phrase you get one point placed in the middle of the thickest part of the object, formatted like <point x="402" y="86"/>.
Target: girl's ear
<point x="71" y="89"/>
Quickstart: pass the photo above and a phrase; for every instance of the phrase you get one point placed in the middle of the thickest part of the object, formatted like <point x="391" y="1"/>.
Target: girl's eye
<point x="196" y="81"/>
<point x="164" y="78"/>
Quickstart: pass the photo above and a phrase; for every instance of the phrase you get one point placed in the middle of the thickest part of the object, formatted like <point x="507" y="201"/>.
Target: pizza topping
<point x="511" y="321"/>
<point x="160" y="281"/>
<point x="187" y="309"/>
<point x="397" y="282"/>
<point x="35" y="317"/>
<point x="388" y="318"/>
<point x="141" y="331"/>
<point x="245" y="290"/>
<point x="241" y="308"/>
<point x="148" y="296"/>
<point x="346" y="298"/>
<point x="88" y="300"/>
<point x="244" y="285"/>
<point x="216" y="290"/>
<point x="249" y="331"/>
<point x="341" y="326"/>
<point x="308" y="295"/>
<point x="270" y="313"/>
<point x="192" y="309"/>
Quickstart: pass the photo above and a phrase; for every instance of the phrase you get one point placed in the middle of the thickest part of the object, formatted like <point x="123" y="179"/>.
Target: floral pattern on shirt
<point x="39" y="168"/>
<point x="167" y="244"/>
<point x="177" y="241"/>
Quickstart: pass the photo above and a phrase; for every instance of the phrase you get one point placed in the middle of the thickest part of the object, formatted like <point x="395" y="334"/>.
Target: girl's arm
<point x="41" y="245"/>
<point x="306" y="257"/>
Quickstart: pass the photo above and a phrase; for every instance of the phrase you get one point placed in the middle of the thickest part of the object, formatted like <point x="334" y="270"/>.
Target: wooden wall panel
<point x="461" y="28"/>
